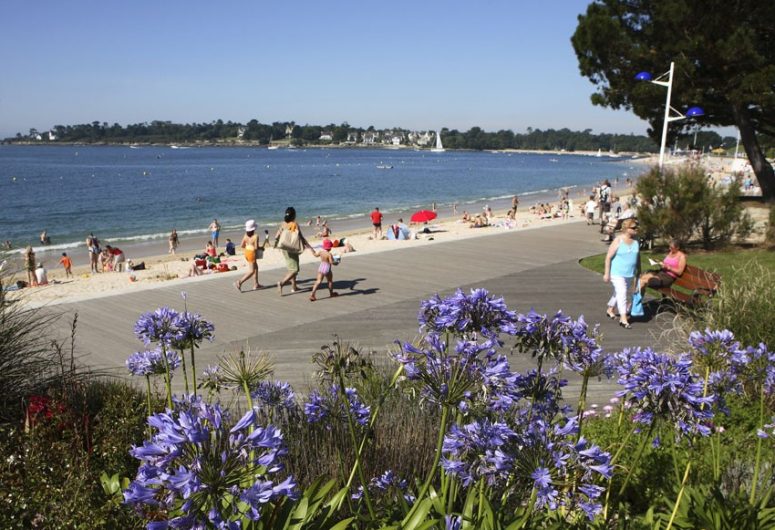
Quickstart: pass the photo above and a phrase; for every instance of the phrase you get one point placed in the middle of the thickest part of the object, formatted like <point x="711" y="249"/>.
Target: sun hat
<point x="250" y="225"/>
<point x="328" y="244"/>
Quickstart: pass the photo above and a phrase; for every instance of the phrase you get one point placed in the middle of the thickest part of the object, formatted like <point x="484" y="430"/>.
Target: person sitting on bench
<point x="672" y="267"/>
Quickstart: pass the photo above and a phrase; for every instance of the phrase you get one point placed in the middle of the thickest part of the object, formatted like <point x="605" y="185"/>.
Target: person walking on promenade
<point x="215" y="231"/>
<point x="376" y="222"/>
<point x="29" y="266"/>
<point x="291" y="258"/>
<point x="93" y="245"/>
<point x="173" y="242"/>
<point x="622" y="267"/>
<point x="251" y="249"/>
<point x="324" y="270"/>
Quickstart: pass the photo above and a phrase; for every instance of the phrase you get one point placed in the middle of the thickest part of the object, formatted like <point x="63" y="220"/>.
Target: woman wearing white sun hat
<point x="251" y="249"/>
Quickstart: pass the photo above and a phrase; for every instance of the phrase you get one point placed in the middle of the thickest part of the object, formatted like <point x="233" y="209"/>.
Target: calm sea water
<point x="125" y="194"/>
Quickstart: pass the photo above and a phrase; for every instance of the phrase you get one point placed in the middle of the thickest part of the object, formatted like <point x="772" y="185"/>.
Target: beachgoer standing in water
<point x="215" y="231"/>
<point x="173" y="241"/>
<point x="376" y="222"/>
<point x="324" y="270"/>
<point x="251" y="248"/>
<point x="291" y="258"/>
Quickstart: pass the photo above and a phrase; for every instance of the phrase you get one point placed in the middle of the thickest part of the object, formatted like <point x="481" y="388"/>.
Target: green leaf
<point x="418" y="517"/>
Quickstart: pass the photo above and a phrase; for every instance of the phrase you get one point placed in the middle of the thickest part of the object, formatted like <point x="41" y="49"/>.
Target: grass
<point x="723" y="262"/>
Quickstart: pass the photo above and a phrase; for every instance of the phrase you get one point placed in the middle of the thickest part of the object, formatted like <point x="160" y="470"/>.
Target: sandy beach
<point x="163" y="268"/>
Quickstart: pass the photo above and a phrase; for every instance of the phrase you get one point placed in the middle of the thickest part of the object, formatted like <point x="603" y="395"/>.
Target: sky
<point x="417" y="65"/>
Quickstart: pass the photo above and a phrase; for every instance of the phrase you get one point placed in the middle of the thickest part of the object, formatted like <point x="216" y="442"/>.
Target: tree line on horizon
<point x="256" y="133"/>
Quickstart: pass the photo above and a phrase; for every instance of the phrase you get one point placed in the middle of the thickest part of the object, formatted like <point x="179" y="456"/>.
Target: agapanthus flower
<point x="198" y="471"/>
<point x="760" y="370"/>
<point x="453" y="522"/>
<point x="274" y="394"/>
<point x="211" y="378"/>
<point x="191" y="330"/>
<point x="158" y="326"/>
<point x="387" y="484"/>
<point x="320" y="407"/>
<point x="723" y="359"/>
<point x="659" y="386"/>
<point x="466" y="314"/>
<point x="567" y="341"/>
<point x="474" y="451"/>
<point x="151" y="362"/>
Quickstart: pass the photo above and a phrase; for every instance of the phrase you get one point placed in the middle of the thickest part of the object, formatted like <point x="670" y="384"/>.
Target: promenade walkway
<point x="378" y="302"/>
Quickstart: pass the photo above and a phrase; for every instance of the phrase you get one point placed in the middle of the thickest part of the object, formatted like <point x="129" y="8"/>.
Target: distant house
<point x="370" y="138"/>
<point x="326" y="136"/>
<point x="241" y="132"/>
<point x="396" y="140"/>
<point x="422" y="139"/>
<point x="352" y="137"/>
<point x="51" y="136"/>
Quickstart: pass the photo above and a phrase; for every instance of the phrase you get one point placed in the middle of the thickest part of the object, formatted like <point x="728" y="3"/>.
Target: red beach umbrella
<point x="423" y="216"/>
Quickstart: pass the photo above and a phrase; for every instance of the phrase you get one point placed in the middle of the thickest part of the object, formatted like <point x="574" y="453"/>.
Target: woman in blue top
<point x="622" y="266"/>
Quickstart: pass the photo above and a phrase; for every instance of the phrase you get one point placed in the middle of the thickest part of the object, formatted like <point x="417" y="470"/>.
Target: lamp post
<point x="666" y="80"/>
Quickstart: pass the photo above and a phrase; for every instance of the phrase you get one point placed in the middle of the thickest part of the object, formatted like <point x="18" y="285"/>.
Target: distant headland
<point x="290" y="134"/>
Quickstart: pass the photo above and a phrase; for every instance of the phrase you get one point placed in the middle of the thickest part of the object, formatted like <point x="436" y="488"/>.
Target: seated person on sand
<point x="672" y="267"/>
<point x="106" y="260"/>
<point x="466" y="217"/>
<point x="479" y="222"/>
<point x="511" y="214"/>
<point x="231" y="250"/>
<point x="40" y="275"/>
<point x="398" y="231"/>
<point x="325" y="231"/>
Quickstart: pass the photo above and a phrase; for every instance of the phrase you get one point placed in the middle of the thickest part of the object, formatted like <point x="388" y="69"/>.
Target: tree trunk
<point x="763" y="170"/>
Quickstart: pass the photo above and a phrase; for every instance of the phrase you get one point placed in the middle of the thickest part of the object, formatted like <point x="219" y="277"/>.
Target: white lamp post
<point x="666" y="80"/>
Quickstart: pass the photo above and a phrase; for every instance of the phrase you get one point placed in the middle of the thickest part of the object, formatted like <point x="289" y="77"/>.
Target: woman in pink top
<point x="672" y="267"/>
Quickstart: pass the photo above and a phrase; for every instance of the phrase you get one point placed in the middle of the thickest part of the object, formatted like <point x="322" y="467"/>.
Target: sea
<point x="138" y="194"/>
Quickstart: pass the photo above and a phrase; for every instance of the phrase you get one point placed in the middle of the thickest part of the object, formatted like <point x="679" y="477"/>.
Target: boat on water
<point x="384" y="166"/>
<point x="273" y="147"/>
<point x="179" y="147"/>
<point x="439" y="147"/>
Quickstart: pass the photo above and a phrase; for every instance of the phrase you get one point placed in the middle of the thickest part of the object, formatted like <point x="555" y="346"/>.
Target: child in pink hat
<point x="324" y="271"/>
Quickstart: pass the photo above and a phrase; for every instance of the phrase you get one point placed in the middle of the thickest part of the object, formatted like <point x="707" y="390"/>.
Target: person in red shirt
<point x="118" y="258"/>
<point x="376" y="221"/>
<point x="67" y="263"/>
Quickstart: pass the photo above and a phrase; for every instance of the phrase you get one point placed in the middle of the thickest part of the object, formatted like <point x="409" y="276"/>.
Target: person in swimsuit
<point x="251" y="248"/>
<point x="29" y="266"/>
<point x="93" y="245"/>
<point x="215" y="231"/>
<point x="324" y="270"/>
<point x="210" y="249"/>
<point x="671" y="268"/>
<point x="173" y="241"/>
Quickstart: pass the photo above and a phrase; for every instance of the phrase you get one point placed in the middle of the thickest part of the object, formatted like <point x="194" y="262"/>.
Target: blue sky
<point x="432" y="64"/>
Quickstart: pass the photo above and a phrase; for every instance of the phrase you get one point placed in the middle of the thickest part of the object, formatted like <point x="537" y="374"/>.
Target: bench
<point x="692" y="286"/>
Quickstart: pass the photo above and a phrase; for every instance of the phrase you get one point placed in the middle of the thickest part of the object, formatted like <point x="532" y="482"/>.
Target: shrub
<point x="769" y="236"/>
<point x="683" y="204"/>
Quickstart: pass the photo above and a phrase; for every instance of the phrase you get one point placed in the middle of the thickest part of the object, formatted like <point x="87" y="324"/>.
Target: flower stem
<point x="354" y="441"/>
<point x="680" y="495"/>
<point x="167" y="375"/>
<point x="434" y="465"/>
<point x="757" y="460"/>
<point x="582" y="403"/>
<point x="193" y="369"/>
<point x="185" y="372"/>
<point x="638" y="455"/>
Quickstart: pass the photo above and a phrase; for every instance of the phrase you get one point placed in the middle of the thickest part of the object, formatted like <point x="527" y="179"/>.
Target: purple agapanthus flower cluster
<point x="659" y="386"/>
<point x="151" y="362"/>
<point x="212" y="378"/>
<point x="567" y="341"/>
<point x="534" y="453"/>
<point x="275" y="394"/>
<point x="761" y="367"/>
<point x="324" y="407"/>
<point x="467" y="314"/>
<point x="724" y="360"/>
<point x="191" y="329"/>
<point x="158" y="326"/>
<point x="198" y="472"/>
<point x="388" y="483"/>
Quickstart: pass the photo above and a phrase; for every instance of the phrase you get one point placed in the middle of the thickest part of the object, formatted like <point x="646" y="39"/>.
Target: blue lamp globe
<point x="694" y="112"/>
<point x="643" y="76"/>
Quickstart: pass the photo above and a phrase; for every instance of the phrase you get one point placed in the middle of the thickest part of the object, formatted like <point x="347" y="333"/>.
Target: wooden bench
<point x="693" y="286"/>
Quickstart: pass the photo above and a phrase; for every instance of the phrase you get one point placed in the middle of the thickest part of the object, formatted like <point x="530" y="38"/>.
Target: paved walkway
<point x="380" y="295"/>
